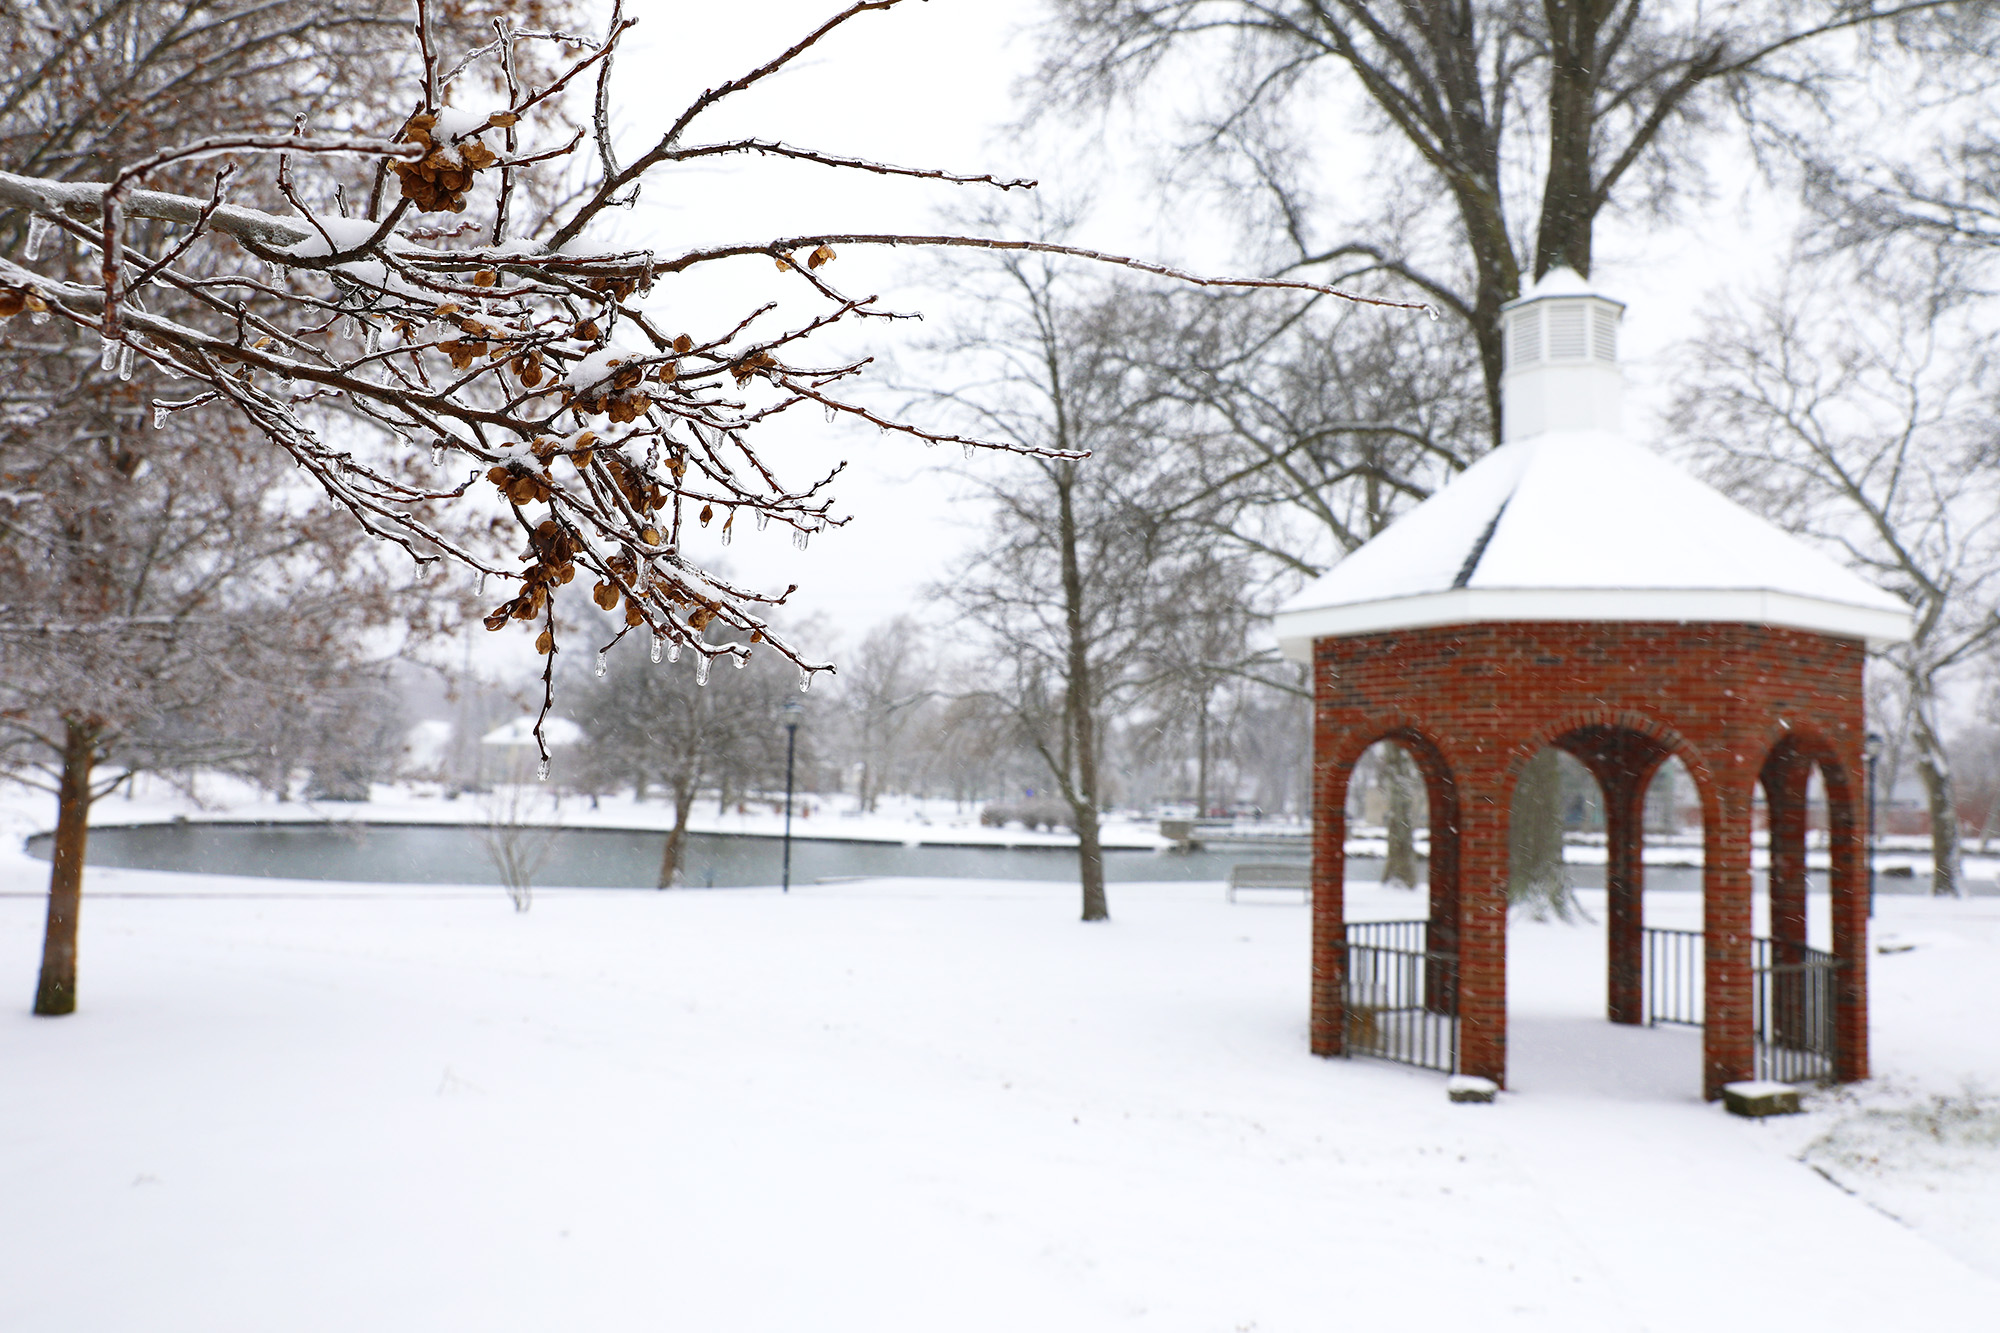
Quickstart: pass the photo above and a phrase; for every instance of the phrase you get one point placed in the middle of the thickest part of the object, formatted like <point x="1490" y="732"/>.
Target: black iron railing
<point x="1400" y="1000"/>
<point x="1793" y="991"/>
<point x="1673" y="976"/>
<point x="1405" y="936"/>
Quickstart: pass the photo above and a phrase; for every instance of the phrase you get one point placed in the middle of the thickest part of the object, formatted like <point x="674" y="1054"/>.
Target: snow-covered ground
<point x="925" y="1105"/>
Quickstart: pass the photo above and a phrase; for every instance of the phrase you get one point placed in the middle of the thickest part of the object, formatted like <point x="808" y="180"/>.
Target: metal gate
<point x="1793" y="991"/>
<point x="1401" y="1000"/>
<point x="1792" y="988"/>
<point x="1673" y="976"/>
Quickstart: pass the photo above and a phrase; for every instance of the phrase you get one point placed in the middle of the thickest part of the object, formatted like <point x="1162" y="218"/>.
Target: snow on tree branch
<point x="536" y="366"/>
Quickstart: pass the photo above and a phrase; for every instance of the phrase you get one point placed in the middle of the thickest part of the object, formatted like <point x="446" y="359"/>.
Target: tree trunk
<point x="1201" y="758"/>
<point x="675" y="852"/>
<point x="1535" y="875"/>
<point x="1079" y="721"/>
<point x="56" y="992"/>
<point x="1934" y="770"/>
<point x="1569" y="202"/>
<point x="1401" y="866"/>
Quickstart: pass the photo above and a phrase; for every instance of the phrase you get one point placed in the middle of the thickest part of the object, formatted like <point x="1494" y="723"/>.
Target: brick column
<point x="1441" y="984"/>
<point x="1327" y="1024"/>
<point x="1785" y="777"/>
<point x="1482" y="927"/>
<point x="1624" y="887"/>
<point x="1728" y="1046"/>
<point x="1847" y="817"/>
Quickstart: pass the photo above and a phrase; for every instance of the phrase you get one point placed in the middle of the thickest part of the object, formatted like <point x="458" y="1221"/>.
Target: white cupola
<point x="1561" y="347"/>
<point x="1570" y="520"/>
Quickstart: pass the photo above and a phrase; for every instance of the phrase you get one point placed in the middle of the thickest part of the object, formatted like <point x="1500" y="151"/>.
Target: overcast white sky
<point x="931" y="84"/>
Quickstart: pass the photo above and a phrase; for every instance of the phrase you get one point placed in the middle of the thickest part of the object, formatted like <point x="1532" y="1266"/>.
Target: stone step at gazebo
<point x="1574" y="589"/>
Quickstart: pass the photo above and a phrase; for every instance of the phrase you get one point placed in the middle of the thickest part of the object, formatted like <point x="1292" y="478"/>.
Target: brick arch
<point x="1333" y="766"/>
<point x="1808" y="743"/>
<point x="1794" y="751"/>
<point x="1671" y="740"/>
<point x="1425" y="744"/>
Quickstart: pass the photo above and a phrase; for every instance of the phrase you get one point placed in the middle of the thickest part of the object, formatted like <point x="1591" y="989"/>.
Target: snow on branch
<point x="537" y="371"/>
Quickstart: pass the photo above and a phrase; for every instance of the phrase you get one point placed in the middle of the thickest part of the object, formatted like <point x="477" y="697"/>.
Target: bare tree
<point x="522" y="829"/>
<point x="513" y="344"/>
<point x="1309" y="430"/>
<point x="169" y="611"/>
<point x="1865" y="423"/>
<point x="1073" y="588"/>
<point x="173" y="596"/>
<point x="675" y="723"/>
<point x="1574" y="108"/>
<point x="412" y="310"/>
<point x="887" y="681"/>
<point x="1507" y="131"/>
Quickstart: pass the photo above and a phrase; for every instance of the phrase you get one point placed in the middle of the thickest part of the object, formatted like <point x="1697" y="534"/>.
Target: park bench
<point x="1270" y="876"/>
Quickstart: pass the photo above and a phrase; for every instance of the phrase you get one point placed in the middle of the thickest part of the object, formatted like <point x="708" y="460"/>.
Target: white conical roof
<point x="1582" y="524"/>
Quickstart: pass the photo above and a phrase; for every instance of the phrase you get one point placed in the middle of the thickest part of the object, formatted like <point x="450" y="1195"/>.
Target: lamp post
<point x="1872" y="747"/>
<point x="789" y="714"/>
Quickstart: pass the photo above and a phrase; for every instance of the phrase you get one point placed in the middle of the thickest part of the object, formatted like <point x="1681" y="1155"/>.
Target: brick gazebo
<point x="1572" y="589"/>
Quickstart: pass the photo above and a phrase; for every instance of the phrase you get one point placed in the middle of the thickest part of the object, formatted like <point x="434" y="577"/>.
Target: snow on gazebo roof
<point x="1568" y="520"/>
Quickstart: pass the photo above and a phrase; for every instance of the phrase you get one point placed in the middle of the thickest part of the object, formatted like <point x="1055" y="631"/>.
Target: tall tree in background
<point x="168" y="598"/>
<point x="1306" y="426"/>
<point x="885" y="683"/>
<point x="1868" y="425"/>
<point x="174" y="598"/>
<point x="1508" y="131"/>
<point x="357" y="334"/>
<point x="675" y="723"/>
<point x="1083" y="558"/>
<point x="1306" y="431"/>
<point x="1574" y="108"/>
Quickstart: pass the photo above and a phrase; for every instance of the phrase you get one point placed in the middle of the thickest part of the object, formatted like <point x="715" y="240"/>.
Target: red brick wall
<point x="1474" y="702"/>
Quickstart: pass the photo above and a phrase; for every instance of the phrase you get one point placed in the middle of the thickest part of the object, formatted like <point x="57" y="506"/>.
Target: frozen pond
<point x="599" y="858"/>
<point x="630" y="858"/>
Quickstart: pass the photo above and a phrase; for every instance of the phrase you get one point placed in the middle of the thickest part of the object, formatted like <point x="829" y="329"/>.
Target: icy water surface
<point x="599" y="858"/>
<point x="630" y="858"/>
